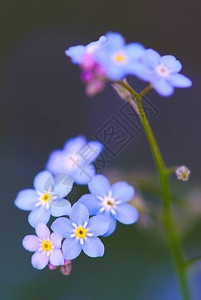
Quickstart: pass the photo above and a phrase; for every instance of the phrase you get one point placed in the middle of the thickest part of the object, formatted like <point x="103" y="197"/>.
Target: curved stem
<point x="192" y="260"/>
<point x="168" y="219"/>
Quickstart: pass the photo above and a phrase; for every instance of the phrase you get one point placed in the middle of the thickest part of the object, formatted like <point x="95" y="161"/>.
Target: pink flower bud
<point x="66" y="268"/>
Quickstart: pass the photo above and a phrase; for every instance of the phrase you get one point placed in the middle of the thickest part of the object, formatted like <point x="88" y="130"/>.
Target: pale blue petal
<point x="114" y="40"/>
<point x="26" y="199"/>
<point x="142" y="72"/>
<point x="163" y="87"/>
<point x="79" y="214"/>
<point x="151" y="58"/>
<point x="122" y="191"/>
<point x="134" y="51"/>
<point x="63" y="226"/>
<point x="92" y="151"/>
<point x="98" y="225"/>
<point x="91" y="202"/>
<point x="38" y="215"/>
<point x="60" y="208"/>
<point x="56" y="239"/>
<point x="83" y="173"/>
<point x="180" y="81"/>
<point x="39" y="260"/>
<point x="31" y="243"/>
<point x="112" y="226"/>
<point x="43" y="181"/>
<point x="42" y="231"/>
<point x="75" y="53"/>
<point x="71" y="248"/>
<point x="63" y="184"/>
<point x="126" y="214"/>
<point x="99" y="185"/>
<point x="115" y="72"/>
<point x="171" y="63"/>
<point x="56" y="257"/>
<point x="55" y="162"/>
<point x="74" y="145"/>
<point x="93" y="247"/>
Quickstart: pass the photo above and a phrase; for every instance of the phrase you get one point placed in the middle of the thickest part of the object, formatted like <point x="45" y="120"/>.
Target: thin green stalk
<point x="192" y="261"/>
<point x="169" y="224"/>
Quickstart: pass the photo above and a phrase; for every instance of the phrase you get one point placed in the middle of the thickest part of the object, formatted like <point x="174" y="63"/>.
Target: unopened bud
<point x="183" y="173"/>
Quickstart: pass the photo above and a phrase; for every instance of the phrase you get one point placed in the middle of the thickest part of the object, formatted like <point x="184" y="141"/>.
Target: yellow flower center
<point x="184" y="175"/>
<point x="120" y="58"/>
<point x="45" y="198"/>
<point x="46" y="245"/>
<point x="81" y="232"/>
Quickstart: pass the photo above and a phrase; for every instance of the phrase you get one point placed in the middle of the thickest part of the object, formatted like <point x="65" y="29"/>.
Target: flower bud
<point x="182" y="173"/>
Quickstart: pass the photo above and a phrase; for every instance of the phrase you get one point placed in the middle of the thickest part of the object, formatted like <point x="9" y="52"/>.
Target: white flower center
<point x="108" y="203"/>
<point x="162" y="70"/>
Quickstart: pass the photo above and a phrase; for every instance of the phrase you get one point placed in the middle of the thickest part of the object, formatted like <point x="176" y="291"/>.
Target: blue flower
<point x="77" y="53"/>
<point x="162" y="72"/>
<point x="76" y="159"/>
<point x="46" y="247"/>
<point x="81" y="233"/>
<point x="110" y="201"/>
<point x="46" y="198"/>
<point x="117" y="58"/>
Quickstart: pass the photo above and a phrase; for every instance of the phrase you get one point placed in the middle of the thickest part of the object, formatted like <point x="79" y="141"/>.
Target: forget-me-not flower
<point x="118" y="59"/>
<point x="46" y="198"/>
<point x="81" y="233"/>
<point x="162" y="72"/>
<point x="76" y="159"/>
<point x="110" y="201"/>
<point x="47" y="247"/>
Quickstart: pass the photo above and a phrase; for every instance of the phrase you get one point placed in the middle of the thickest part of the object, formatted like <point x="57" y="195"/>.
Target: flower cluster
<point x="73" y="230"/>
<point x="111" y="59"/>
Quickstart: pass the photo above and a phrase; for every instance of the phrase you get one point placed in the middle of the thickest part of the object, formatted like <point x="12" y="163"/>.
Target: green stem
<point x="168" y="219"/>
<point x="192" y="260"/>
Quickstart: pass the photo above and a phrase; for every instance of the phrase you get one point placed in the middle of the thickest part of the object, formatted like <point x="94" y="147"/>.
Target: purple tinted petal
<point x="60" y="207"/>
<point x="163" y="87"/>
<point x="151" y="58"/>
<point x="75" y="53"/>
<point x="79" y="214"/>
<point x="63" y="226"/>
<point x="31" y="243"/>
<point x="43" y="181"/>
<point x="39" y="215"/>
<point x="26" y="199"/>
<point x="74" y="145"/>
<point x="39" y="260"/>
<point x="114" y="40"/>
<point x="71" y="248"/>
<point x="171" y="63"/>
<point x="42" y="231"/>
<point x="93" y="247"/>
<point x="99" y="185"/>
<point x="122" y="191"/>
<point x="56" y="257"/>
<point x="180" y="81"/>
<point x="112" y="226"/>
<point x="98" y="225"/>
<point x="91" y="202"/>
<point x="126" y="214"/>
<point x="56" y="239"/>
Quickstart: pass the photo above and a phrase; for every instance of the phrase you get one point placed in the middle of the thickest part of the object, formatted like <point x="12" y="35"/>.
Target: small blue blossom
<point x="162" y="72"/>
<point x="110" y="201"/>
<point x="116" y="58"/>
<point x="76" y="159"/>
<point x="46" y="247"/>
<point x="81" y="233"/>
<point x="45" y="199"/>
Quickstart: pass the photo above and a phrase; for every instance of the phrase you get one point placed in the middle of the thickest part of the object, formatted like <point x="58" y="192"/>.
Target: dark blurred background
<point x="43" y="103"/>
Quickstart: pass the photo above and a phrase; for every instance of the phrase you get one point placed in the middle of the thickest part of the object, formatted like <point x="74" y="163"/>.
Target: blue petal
<point x="26" y="199"/>
<point x="60" y="208"/>
<point x="98" y="225"/>
<point x="91" y="202"/>
<point x="39" y="215"/>
<point x="142" y="71"/>
<point x="43" y="181"/>
<point x="122" y="191"/>
<point x="75" y="53"/>
<point x="42" y="231"/>
<point x="180" y="81"/>
<point x="112" y="226"/>
<point x="163" y="87"/>
<point x="82" y="174"/>
<point x="93" y="247"/>
<point x="63" y="184"/>
<point x="55" y="162"/>
<point x="71" y="248"/>
<point x="151" y="58"/>
<point x="126" y="214"/>
<point x="114" y="40"/>
<point x="39" y="260"/>
<point x="93" y="150"/>
<point x="99" y="185"/>
<point x="31" y="243"/>
<point x="56" y="239"/>
<point x="134" y="51"/>
<point x="63" y="226"/>
<point x="56" y="257"/>
<point x="75" y="144"/>
<point x="79" y="214"/>
<point x="171" y="63"/>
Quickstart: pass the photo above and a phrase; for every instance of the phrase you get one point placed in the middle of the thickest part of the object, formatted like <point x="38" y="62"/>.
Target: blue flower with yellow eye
<point x="46" y="198"/>
<point x="81" y="233"/>
<point x="110" y="201"/>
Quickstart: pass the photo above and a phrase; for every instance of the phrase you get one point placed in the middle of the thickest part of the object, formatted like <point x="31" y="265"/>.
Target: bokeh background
<point x="42" y="104"/>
